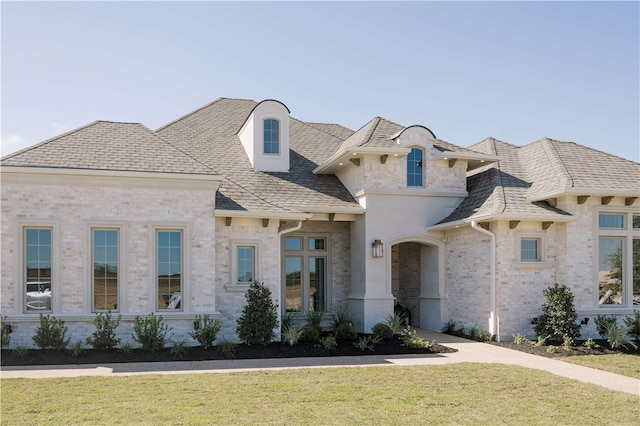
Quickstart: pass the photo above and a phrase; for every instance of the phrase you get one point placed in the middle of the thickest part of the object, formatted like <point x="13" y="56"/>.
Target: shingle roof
<point x="517" y="184"/>
<point x="211" y="135"/>
<point x="105" y="145"/>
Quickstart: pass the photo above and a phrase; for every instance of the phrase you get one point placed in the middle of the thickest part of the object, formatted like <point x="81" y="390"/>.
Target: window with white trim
<point x="38" y="248"/>
<point x="169" y="274"/>
<point x="306" y="278"/>
<point x="618" y="259"/>
<point x="105" y="251"/>
<point x="271" y="142"/>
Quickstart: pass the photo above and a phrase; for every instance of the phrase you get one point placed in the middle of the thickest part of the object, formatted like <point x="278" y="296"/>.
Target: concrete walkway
<point x="468" y="351"/>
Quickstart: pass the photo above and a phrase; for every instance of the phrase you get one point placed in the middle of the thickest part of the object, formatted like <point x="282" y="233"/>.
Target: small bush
<point x="104" y="338"/>
<point x="20" y="352"/>
<point x="450" y="327"/>
<point x="259" y="316"/>
<point x="591" y="344"/>
<point x="366" y="342"/>
<point x="291" y="334"/>
<point x="51" y="334"/>
<point x="7" y="329"/>
<point x="343" y="325"/>
<point x="559" y="316"/>
<point x="633" y="323"/>
<point x="395" y="322"/>
<point x="312" y="329"/>
<point x="521" y="339"/>
<point x="150" y="332"/>
<point x="542" y="340"/>
<point x="76" y="349"/>
<point x="178" y="349"/>
<point x="205" y="330"/>
<point x="567" y="343"/>
<point x="484" y="336"/>
<point x="227" y="349"/>
<point x="618" y="337"/>
<point x="603" y="322"/>
<point x="382" y="331"/>
<point x="126" y="348"/>
<point x="551" y="349"/>
<point x="411" y="340"/>
<point x="329" y="342"/>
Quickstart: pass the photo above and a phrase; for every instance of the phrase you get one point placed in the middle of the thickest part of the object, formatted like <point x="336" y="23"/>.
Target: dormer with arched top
<point x="265" y="136"/>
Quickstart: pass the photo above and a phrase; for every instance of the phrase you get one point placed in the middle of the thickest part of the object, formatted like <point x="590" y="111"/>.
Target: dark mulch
<point x="560" y="352"/>
<point x="273" y="350"/>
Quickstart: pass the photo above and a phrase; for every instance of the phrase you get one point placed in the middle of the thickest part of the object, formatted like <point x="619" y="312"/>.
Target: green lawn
<point x="627" y="365"/>
<point x="449" y="394"/>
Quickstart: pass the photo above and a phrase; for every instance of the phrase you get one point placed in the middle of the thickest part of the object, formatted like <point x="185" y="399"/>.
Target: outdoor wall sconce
<point x="376" y="249"/>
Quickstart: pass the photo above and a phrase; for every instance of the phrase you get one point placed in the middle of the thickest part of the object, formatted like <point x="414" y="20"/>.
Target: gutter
<point x="493" y="319"/>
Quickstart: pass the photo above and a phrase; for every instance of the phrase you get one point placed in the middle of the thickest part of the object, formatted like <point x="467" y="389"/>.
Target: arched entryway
<point x="417" y="282"/>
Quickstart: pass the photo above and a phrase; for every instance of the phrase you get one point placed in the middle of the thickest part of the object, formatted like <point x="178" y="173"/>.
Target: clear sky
<point x="516" y="71"/>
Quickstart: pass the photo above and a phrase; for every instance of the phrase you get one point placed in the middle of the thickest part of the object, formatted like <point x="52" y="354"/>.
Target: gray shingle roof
<point x="105" y="145"/>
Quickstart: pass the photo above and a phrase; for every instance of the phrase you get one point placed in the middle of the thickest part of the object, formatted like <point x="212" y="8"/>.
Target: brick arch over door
<point x="416" y="280"/>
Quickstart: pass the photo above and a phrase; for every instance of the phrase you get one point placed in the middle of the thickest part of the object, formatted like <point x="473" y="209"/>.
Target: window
<point x="105" y="250"/>
<point x="38" y="269"/>
<point x="305" y="273"/>
<point x="169" y="269"/>
<point x="618" y="259"/>
<point x="414" y="167"/>
<point x="271" y="136"/>
<point x="530" y="249"/>
<point x="246" y="264"/>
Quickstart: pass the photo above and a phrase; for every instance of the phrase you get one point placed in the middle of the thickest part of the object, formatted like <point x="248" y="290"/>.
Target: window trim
<point x="234" y="285"/>
<point x="628" y="234"/>
<point x="21" y="290"/>
<point x="541" y="262"/>
<point x="279" y="145"/>
<point x="422" y="177"/>
<point x="122" y="265"/>
<point x="185" y="266"/>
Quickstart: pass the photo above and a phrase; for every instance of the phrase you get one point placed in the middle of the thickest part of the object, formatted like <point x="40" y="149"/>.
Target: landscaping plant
<point x="411" y="340"/>
<point x="395" y="322"/>
<point x="603" y="322"/>
<point x="618" y="337"/>
<point x="312" y="330"/>
<point x="343" y="325"/>
<point x="227" y="349"/>
<point x="151" y="332"/>
<point x="291" y="334"/>
<point x="205" y="330"/>
<point x="51" y="334"/>
<point x="382" y="331"/>
<point x="104" y="337"/>
<point x="559" y="316"/>
<point x="329" y="342"/>
<point x="633" y="323"/>
<point x="259" y="316"/>
<point x="6" y="331"/>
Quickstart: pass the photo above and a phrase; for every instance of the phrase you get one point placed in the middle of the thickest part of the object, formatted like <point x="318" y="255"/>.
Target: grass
<point x="449" y="394"/>
<point x="627" y="365"/>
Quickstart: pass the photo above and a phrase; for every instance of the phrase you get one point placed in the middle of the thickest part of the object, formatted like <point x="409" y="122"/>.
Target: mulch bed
<point x="562" y="352"/>
<point x="273" y="350"/>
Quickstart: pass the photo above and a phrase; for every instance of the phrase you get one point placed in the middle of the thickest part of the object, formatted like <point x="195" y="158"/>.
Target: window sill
<point x="532" y="265"/>
<point x="236" y="288"/>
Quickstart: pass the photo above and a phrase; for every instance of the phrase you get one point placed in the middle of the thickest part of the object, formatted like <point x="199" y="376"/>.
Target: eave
<point x="496" y="217"/>
<point x="343" y="157"/>
<point x="474" y="160"/>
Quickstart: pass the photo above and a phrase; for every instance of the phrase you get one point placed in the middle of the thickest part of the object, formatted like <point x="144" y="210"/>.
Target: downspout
<point x="288" y="230"/>
<point x="493" y="319"/>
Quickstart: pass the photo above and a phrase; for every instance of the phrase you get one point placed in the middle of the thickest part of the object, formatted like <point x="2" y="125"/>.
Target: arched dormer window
<point x="271" y="136"/>
<point x="414" y="167"/>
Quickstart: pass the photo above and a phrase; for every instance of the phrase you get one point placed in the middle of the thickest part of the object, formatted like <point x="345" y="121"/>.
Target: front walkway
<point x="468" y="351"/>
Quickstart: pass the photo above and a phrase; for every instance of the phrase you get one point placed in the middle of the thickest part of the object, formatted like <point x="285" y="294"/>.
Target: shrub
<point x="366" y="342"/>
<point x="450" y="327"/>
<point x="633" y="323"/>
<point x="329" y="342"/>
<point x="20" y="352"/>
<point x="551" y="349"/>
<point x="603" y="322"/>
<point x="76" y="349"/>
<point x="567" y="343"/>
<point x="178" y="349"/>
<point x="104" y="338"/>
<point x="559" y="316"/>
<point x="521" y="339"/>
<point x="411" y="340"/>
<point x="6" y="331"/>
<point x="591" y="344"/>
<point x="343" y="325"/>
<point x="259" y="316"/>
<point x="312" y="330"/>
<point x="227" y="349"/>
<point x="126" y="348"/>
<point x="51" y="334"/>
<point x="382" y="331"/>
<point x="205" y="330"/>
<point x="484" y="336"/>
<point x="395" y="322"/>
<point x="291" y="334"/>
<point x="542" y="340"/>
<point x="150" y="332"/>
<point x="618" y="337"/>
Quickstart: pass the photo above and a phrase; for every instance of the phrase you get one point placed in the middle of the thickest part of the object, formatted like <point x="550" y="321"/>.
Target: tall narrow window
<point x="271" y="136"/>
<point x="105" y="269"/>
<point x="305" y="274"/>
<point x="169" y="269"/>
<point x="38" y="269"/>
<point x="610" y="271"/>
<point x="414" y="167"/>
<point x="246" y="264"/>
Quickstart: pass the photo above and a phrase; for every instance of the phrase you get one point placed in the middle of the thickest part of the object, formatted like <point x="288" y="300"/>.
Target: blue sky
<point x="516" y="71"/>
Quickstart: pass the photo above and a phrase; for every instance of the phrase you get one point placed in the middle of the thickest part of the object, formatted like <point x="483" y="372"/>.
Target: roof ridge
<point x="546" y="141"/>
<point x="368" y="138"/>
<point x="318" y="129"/>
<point x="181" y="150"/>
<point x="191" y="113"/>
<point x="586" y="147"/>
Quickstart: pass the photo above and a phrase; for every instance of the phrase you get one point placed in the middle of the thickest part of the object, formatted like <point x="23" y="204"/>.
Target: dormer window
<point x="271" y="136"/>
<point x="414" y="167"/>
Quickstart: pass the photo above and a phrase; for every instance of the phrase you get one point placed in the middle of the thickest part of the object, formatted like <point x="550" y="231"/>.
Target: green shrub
<point x="291" y="334"/>
<point x="343" y="325"/>
<point x="395" y="322"/>
<point x="6" y="332"/>
<point x="382" y="331"/>
<point x="227" y="349"/>
<point x="366" y="342"/>
<point x="178" y="349"/>
<point x="205" y="330"/>
<point x="591" y="344"/>
<point x="20" y="352"/>
<point x="104" y="337"/>
<point x="76" y="349"/>
<point x="633" y="323"/>
<point x="259" y="316"/>
<point x="450" y="327"/>
<point x="126" y="348"/>
<point x="521" y="339"/>
<point x="411" y="340"/>
<point x="618" y="337"/>
<point x="603" y="322"/>
<point x="484" y="336"/>
<point x="312" y="329"/>
<point x="151" y="332"/>
<point x="542" y="340"/>
<point x="567" y="343"/>
<point x="329" y="342"/>
<point x="551" y="349"/>
<point x="559" y="316"/>
<point x="51" y="334"/>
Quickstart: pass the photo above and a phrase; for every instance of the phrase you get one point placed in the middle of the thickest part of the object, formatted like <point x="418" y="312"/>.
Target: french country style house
<point x="180" y="220"/>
